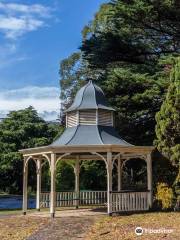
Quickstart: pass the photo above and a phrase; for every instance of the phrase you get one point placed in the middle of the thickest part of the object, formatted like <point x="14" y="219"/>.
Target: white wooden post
<point x="53" y="185"/>
<point x="76" y="172"/>
<point x="25" y="185"/>
<point x="149" y="179"/>
<point x="119" y="169"/>
<point x="38" y="190"/>
<point x="109" y="182"/>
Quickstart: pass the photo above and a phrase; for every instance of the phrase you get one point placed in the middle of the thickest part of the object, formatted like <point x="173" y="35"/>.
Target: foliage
<point x="125" y="50"/>
<point x="168" y="119"/>
<point x="70" y="69"/>
<point x="136" y="31"/>
<point x="134" y="176"/>
<point x="74" y="71"/>
<point x="137" y="98"/>
<point x="163" y="170"/>
<point x="120" y="52"/>
<point x="21" y="129"/>
<point x="93" y="175"/>
<point x="164" y="195"/>
<point x="64" y="177"/>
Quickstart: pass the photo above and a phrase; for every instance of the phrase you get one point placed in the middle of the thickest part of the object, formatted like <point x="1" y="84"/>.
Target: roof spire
<point x="89" y="96"/>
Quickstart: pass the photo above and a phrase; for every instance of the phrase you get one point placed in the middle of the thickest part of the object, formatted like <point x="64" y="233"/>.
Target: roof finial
<point x="90" y="81"/>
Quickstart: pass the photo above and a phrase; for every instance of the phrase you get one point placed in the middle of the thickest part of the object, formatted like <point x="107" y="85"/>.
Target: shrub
<point x="164" y="196"/>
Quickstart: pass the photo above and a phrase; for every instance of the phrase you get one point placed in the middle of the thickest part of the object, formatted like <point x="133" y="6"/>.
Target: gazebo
<point x="89" y="135"/>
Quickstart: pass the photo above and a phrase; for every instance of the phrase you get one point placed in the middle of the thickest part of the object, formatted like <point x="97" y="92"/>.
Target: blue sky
<point x="34" y="37"/>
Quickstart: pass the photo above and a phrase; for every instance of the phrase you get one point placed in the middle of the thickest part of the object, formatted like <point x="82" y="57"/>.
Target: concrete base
<point x="52" y="215"/>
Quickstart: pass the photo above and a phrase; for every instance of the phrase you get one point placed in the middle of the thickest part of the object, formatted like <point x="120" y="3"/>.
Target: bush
<point x="164" y="196"/>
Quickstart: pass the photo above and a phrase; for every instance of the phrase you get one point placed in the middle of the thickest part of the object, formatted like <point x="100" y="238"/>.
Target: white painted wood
<point x="78" y="117"/>
<point x="77" y="171"/>
<point x="112" y="117"/>
<point x="109" y="182"/>
<point x="38" y="190"/>
<point x="97" y="113"/>
<point x="149" y="179"/>
<point x="121" y="202"/>
<point x="65" y="199"/>
<point x="119" y="170"/>
<point x="72" y="119"/>
<point x="53" y="187"/>
<point x="129" y="201"/>
<point x="105" y="118"/>
<point x="25" y="185"/>
<point x="87" y="117"/>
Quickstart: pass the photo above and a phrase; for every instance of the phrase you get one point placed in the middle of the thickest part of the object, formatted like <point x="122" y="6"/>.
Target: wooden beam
<point x="89" y="148"/>
<point x="149" y="179"/>
<point x="25" y="185"/>
<point x="109" y="182"/>
<point x="53" y="185"/>
<point x="38" y="190"/>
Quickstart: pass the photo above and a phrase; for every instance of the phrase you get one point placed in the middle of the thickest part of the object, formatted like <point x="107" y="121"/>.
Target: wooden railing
<point x="45" y="200"/>
<point x="68" y="199"/>
<point x="129" y="201"/>
<point x="65" y="199"/>
<point x="93" y="197"/>
<point x="122" y="201"/>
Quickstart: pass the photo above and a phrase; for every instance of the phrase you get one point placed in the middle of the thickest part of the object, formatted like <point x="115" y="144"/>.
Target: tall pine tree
<point x="168" y="119"/>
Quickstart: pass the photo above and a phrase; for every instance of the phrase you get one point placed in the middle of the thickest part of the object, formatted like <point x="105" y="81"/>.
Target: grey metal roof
<point x="89" y="135"/>
<point x="89" y="97"/>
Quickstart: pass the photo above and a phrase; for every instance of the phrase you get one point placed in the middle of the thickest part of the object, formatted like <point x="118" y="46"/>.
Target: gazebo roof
<point x="97" y="135"/>
<point x="89" y="97"/>
<point x="89" y="135"/>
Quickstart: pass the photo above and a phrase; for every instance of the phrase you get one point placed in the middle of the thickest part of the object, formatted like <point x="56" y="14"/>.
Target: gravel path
<point x="67" y="225"/>
<point x="66" y="228"/>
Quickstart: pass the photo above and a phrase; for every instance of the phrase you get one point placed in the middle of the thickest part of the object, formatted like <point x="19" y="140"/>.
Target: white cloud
<point x="44" y="99"/>
<point x="29" y="9"/>
<point x="17" y="19"/>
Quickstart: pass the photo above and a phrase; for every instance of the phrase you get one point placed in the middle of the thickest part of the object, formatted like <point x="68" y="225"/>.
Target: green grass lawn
<point x="5" y="212"/>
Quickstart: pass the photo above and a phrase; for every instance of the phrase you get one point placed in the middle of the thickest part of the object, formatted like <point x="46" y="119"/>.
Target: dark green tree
<point x="21" y="129"/>
<point x="136" y="97"/>
<point x="168" y="119"/>
<point x="65" y="176"/>
<point x="124" y="43"/>
<point x="135" y="31"/>
<point x="74" y="72"/>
